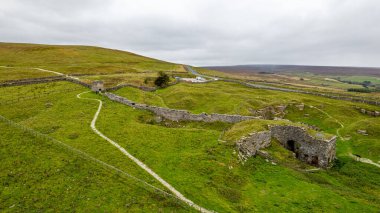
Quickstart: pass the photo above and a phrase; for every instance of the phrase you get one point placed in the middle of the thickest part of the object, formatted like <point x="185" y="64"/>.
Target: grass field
<point x="374" y="80"/>
<point x="8" y="74"/>
<point x="40" y="176"/>
<point x="189" y="156"/>
<point x="79" y="59"/>
<point x="209" y="171"/>
<point x="231" y="98"/>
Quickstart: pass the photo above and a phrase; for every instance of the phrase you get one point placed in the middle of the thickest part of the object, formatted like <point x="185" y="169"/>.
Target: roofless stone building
<point x="312" y="149"/>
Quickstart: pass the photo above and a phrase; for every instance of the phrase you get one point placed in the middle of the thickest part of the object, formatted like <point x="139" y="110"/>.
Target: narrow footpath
<point x="137" y="161"/>
<point x="360" y="159"/>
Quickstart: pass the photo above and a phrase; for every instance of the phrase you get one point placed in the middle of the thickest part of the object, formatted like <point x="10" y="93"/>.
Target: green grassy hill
<point x="71" y="59"/>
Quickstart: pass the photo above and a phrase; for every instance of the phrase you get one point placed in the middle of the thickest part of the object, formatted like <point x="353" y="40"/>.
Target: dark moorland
<point x="323" y="70"/>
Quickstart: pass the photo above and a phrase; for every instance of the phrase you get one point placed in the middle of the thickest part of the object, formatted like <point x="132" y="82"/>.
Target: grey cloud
<point x="318" y="32"/>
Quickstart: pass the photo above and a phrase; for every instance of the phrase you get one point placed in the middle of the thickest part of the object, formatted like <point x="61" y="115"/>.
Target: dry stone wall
<point x="32" y="81"/>
<point x="368" y="112"/>
<point x="149" y="89"/>
<point x="180" y="115"/>
<point x="77" y="81"/>
<point x="43" y="80"/>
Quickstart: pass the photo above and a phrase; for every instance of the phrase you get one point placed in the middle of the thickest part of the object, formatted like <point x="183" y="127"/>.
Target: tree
<point x="366" y="83"/>
<point x="162" y="80"/>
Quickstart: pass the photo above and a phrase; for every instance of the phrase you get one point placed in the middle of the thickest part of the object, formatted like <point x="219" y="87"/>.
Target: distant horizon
<point x="252" y="64"/>
<point x="300" y="65"/>
<point x="206" y="33"/>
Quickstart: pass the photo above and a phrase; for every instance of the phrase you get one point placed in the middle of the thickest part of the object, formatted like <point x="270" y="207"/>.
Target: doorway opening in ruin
<point x="314" y="161"/>
<point x="292" y="146"/>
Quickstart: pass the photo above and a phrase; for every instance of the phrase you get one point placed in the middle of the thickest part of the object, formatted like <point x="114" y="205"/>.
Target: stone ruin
<point x="313" y="150"/>
<point x="368" y="112"/>
<point x="270" y="112"/>
<point x="97" y="86"/>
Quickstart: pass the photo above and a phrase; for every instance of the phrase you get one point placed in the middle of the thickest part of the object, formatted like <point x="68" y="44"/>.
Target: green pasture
<point x="188" y="155"/>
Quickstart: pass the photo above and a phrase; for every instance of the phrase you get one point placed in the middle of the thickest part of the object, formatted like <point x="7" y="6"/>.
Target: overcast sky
<point x="206" y="32"/>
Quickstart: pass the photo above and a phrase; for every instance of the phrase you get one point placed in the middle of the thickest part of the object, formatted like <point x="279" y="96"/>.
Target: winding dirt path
<point x="364" y="160"/>
<point x="357" y="158"/>
<point x="43" y="70"/>
<point x="137" y="161"/>
<point x="336" y="120"/>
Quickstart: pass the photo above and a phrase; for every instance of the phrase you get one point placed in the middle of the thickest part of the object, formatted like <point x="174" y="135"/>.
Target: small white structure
<point x="194" y="80"/>
<point x="97" y="86"/>
<point x="198" y="78"/>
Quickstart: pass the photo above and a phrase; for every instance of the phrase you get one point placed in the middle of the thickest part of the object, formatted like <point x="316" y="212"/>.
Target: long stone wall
<point x="77" y="81"/>
<point x="180" y="115"/>
<point x="368" y="112"/>
<point x="315" y="151"/>
<point x="149" y="89"/>
<point x="32" y="81"/>
<point x="43" y="80"/>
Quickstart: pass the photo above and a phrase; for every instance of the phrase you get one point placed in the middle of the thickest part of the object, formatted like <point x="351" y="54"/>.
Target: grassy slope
<point x="221" y="97"/>
<point x="189" y="156"/>
<point x="7" y="74"/>
<point x="79" y="59"/>
<point x="66" y="118"/>
<point x="39" y="176"/>
<point x="209" y="173"/>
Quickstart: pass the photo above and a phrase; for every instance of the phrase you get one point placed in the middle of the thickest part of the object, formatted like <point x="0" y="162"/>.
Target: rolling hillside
<point x="79" y="59"/>
<point x="62" y="145"/>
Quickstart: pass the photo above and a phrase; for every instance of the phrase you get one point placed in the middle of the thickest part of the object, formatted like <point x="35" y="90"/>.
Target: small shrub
<point x="73" y="136"/>
<point x="162" y="80"/>
<point x="230" y="194"/>
<point x="362" y="90"/>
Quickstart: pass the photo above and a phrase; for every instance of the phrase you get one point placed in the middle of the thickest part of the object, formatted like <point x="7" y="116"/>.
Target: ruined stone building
<point x="313" y="150"/>
<point x="97" y="86"/>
